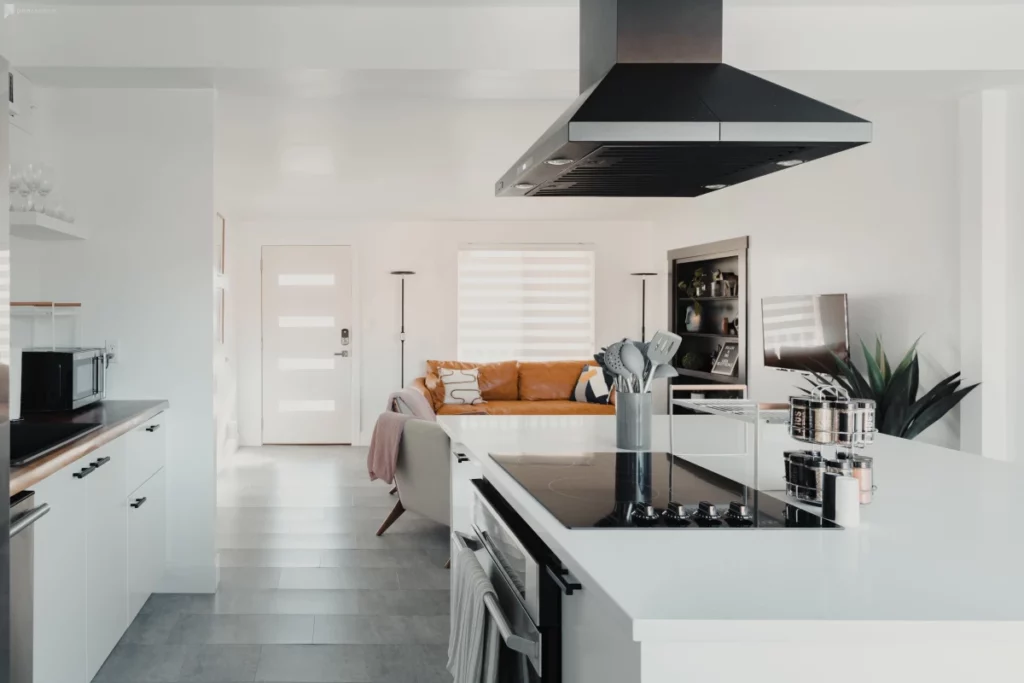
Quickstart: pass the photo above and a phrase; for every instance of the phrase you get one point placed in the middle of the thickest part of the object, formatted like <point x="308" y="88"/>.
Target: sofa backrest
<point x="498" y="381"/>
<point x="512" y="380"/>
<point x="549" y="380"/>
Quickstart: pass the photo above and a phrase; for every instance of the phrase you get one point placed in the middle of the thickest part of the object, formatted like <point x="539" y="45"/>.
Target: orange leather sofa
<point x="514" y="388"/>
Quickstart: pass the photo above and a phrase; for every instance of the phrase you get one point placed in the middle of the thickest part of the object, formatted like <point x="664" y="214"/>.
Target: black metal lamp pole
<point x="643" y="303"/>
<point x="401" y="334"/>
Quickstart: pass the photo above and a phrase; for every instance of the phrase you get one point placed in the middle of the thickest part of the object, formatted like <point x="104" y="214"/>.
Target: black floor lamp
<point x="401" y="334"/>
<point x="643" y="303"/>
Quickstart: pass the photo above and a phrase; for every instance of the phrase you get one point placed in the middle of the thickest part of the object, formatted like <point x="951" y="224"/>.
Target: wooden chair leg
<point x="393" y="490"/>
<point x="395" y="513"/>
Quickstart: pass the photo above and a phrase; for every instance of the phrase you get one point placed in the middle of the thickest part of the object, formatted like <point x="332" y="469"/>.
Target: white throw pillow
<point x="461" y="387"/>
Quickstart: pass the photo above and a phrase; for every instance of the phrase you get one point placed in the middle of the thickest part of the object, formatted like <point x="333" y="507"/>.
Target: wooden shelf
<point x="44" y="308"/>
<point x="708" y="335"/>
<point x="37" y="226"/>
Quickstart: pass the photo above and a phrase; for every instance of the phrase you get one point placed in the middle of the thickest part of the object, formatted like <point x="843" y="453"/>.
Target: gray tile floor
<point x="307" y="592"/>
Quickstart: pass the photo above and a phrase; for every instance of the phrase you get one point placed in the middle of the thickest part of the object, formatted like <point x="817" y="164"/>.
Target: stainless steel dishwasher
<point x="24" y="514"/>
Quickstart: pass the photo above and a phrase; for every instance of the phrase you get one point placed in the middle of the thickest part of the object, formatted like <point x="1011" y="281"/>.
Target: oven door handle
<point x="530" y="648"/>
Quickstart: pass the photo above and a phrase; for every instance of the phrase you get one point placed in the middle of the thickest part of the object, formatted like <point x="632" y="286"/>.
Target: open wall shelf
<point x="700" y="347"/>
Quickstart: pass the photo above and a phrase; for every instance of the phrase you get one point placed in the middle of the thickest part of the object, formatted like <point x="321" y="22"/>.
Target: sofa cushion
<point x="529" y="408"/>
<point x="593" y="386"/>
<point x="549" y="380"/>
<point x="461" y="387"/>
<point x="498" y="381"/>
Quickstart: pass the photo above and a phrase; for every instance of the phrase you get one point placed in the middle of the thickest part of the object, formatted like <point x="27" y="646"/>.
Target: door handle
<point x="84" y="472"/>
<point x="26" y="520"/>
<point x="101" y="462"/>
<point x="343" y="354"/>
<point x="139" y="502"/>
<point x="152" y="428"/>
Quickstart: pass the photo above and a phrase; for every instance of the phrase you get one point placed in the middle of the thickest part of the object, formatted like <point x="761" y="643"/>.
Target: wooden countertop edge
<point x="33" y="473"/>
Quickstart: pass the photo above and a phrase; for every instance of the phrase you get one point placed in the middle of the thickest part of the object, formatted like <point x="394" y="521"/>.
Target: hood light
<point x="560" y="161"/>
<point x="789" y="163"/>
<point x="718" y="186"/>
<point x="525" y="186"/>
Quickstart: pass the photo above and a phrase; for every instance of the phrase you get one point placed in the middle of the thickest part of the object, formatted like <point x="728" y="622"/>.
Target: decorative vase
<point x="692" y="320"/>
<point x="633" y="415"/>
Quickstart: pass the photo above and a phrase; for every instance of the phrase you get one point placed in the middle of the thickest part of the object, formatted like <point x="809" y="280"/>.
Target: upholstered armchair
<point x="422" y="474"/>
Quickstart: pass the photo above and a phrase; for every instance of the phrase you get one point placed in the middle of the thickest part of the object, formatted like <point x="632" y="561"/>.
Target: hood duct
<point x="661" y="116"/>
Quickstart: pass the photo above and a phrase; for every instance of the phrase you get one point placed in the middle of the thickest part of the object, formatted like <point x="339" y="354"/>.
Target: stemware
<point x="14" y="185"/>
<point x="45" y="187"/>
<point x="33" y="178"/>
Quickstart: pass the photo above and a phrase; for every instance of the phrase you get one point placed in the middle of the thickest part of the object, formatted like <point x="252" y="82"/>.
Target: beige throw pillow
<point x="461" y="387"/>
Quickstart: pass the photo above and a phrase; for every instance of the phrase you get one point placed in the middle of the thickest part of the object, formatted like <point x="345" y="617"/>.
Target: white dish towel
<point x="474" y="643"/>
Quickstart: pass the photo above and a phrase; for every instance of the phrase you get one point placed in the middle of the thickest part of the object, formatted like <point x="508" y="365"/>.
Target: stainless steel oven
<point x="62" y="379"/>
<point x="529" y="582"/>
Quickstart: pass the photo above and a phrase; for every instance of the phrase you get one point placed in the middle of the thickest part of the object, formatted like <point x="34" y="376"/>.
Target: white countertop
<point x="942" y="544"/>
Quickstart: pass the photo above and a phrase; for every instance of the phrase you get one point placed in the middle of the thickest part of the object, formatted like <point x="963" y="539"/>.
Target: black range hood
<point x="661" y="116"/>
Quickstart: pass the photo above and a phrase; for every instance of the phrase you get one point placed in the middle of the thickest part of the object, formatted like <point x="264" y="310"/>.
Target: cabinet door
<point x="464" y="469"/>
<point x="60" y="608"/>
<point x="147" y="447"/>
<point x="146" y="539"/>
<point x="108" y="552"/>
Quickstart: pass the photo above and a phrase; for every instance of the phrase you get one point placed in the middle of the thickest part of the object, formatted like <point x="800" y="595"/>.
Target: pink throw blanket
<point x="382" y="459"/>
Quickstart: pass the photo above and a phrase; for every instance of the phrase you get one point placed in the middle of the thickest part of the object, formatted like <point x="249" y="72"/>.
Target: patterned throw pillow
<point x="592" y="386"/>
<point x="461" y="387"/>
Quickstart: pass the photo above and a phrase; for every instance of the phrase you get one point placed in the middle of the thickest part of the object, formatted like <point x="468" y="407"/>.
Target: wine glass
<point x="33" y="178"/>
<point x="45" y="187"/>
<point x="14" y="184"/>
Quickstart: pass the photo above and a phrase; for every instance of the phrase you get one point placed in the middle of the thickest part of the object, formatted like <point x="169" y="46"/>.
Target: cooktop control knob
<point x="738" y="512"/>
<point x="675" y="515"/>
<point x="707" y="512"/>
<point x="644" y="515"/>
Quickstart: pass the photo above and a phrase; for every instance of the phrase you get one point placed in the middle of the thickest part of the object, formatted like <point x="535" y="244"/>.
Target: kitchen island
<point x="928" y="587"/>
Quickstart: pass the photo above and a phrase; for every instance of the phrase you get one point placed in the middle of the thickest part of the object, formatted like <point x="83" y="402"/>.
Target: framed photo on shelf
<point x="728" y="357"/>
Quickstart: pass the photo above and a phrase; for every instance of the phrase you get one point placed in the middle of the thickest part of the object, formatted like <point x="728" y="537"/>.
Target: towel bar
<point x="530" y="648"/>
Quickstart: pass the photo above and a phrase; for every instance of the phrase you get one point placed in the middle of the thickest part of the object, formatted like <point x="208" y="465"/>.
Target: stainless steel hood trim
<point x="650" y="131"/>
<point x="794" y="132"/>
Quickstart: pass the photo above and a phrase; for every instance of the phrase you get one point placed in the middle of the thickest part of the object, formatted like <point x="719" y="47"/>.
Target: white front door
<point x="307" y="345"/>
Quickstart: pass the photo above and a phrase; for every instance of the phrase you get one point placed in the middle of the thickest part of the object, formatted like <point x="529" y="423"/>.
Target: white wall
<point x="431" y="249"/>
<point x="141" y="165"/>
<point x="404" y="181"/>
<point x="879" y="222"/>
<point x="1016" y="258"/>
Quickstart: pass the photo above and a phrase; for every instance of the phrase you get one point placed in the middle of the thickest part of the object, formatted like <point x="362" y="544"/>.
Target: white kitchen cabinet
<point x="147" y="535"/>
<point x="463" y="470"/>
<point x="107" y="565"/>
<point x="61" y="607"/>
<point x="597" y="640"/>
<point x="147" y="445"/>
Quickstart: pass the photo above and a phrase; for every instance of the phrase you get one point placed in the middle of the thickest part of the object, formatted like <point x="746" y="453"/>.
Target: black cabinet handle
<point x="568" y="584"/>
<point x="152" y="428"/>
<point x="461" y="457"/>
<point x="84" y="472"/>
<point x="101" y="462"/>
<point x="138" y="502"/>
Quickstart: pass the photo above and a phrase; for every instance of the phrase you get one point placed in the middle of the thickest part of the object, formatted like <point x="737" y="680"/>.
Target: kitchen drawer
<point x="147" y="450"/>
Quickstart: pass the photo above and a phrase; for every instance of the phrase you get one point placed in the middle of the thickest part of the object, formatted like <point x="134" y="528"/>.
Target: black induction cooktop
<point x="32" y="440"/>
<point x="648" y="490"/>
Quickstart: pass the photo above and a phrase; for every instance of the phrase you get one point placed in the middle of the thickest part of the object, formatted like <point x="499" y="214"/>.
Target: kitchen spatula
<point x="661" y="351"/>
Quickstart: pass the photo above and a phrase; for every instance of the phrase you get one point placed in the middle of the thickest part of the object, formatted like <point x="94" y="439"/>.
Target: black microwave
<point x="62" y="379"/>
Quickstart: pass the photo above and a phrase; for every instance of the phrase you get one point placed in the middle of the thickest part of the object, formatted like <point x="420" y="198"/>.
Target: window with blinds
<point x="526" y="304"/>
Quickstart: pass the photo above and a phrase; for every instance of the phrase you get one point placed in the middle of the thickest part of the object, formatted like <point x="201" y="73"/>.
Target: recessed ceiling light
<point x="789" y="163"/>
<point x="717" y="186"/>
<point x="559" y="161"/>
<point x="525" y="186"/>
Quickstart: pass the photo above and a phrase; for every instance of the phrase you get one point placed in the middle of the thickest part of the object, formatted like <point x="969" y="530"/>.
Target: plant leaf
<point x="941" y="390"/>
<point x="897" y="403"/>
<point x="935" y="411"/>
<point x="911" y="354"/>
<point x="915" y="379"/>
<point x="883" y="360"/>
<point x="874" y="372"/>
<point x="860" y="386"/>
